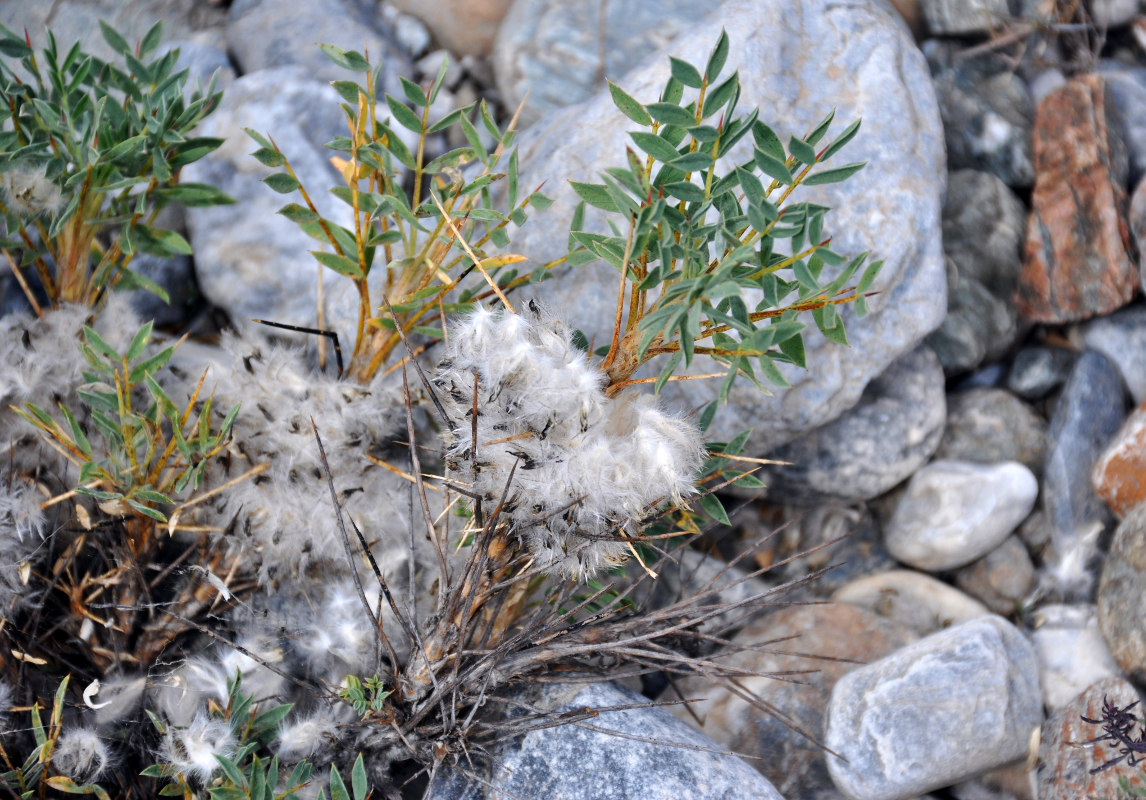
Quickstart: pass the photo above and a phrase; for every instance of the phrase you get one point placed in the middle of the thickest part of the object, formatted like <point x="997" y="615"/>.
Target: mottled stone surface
<point x="264" y="34"/>
<point x="987" y="113"/>
<point x="979" y="679"/>
<point x="795" y="63"/>
<point x="987" y="426"/>
<point x="1037" y="371"/>
<point x="464" y="27"/>
<point x="922" y="603"/>
<point x="978" y="327"/>
<point x="1064" y="766"/>
<point x="945" y="17"/>
<point x="1122" y="595"/>
<point x="248" y="258"/>
<point x="1120" y="474"/>
<point x="1002" y="579"/>
<point x="794" y="765"/>
<point x="1072" y="653"/>
<point x="561" y="51"/>
<point x="1077" y="260"/>
<point x="587" y="762"/>
<point x="890" y="433"/>
<point x="1088" y="413"/>
<point x="1121" y="337"/>
<point x="954" y="512"/>
<point x="983" y="227"/>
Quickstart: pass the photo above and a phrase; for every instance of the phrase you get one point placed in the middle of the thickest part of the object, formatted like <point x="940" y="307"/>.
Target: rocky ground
<point x="983" y="439"/>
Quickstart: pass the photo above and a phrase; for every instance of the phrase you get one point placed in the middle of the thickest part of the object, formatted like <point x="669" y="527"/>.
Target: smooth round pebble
<point x="954" y="512"/>
<point x="1002" y="579"/>
<point x="934" y="713"/>
<point x="913" y="599"/>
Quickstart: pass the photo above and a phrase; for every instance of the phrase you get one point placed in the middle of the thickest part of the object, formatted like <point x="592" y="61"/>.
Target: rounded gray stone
<point x="987" y="426"/>
<point x="1122" y="595"/>
<point x="796" y="63"/>
<point x="954" y="512"/>
<point x="1121" y="337"/>
<point x="1071" y="651"/>
<point x="1002" y="579"/>
<point x="936" y="712"/>
<point x="881" y="441"/>
<point x="984" y="224"/>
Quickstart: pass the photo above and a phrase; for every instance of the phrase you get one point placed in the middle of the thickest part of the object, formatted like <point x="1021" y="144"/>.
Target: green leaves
<point x="104" y="141"/>
<point x="704" y="233"/>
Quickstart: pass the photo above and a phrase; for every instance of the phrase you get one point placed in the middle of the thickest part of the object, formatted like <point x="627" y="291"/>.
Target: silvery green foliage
<point x="40" y="362"/>
<point x="283" y="521"/>
<point x="586" y="467"/>
<point x="81" y="755"/>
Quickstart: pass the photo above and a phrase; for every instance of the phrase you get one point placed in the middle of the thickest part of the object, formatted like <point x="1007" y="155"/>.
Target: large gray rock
<point x="264" y="34"/>
<point x="249" y="259"/>
<point x="881" y="441"/>
<point x="938" y="711"/>
<point x="560" y="52"/>
<point x="588" y="762"/>
<point x="796" y="62"/>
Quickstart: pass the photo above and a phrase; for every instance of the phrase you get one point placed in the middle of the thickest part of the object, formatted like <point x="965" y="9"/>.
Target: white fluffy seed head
<point x="588" y="466"/>
<point x="81" y="755"/>
<point x="191" y="751"/>
<point x="303" y="737"/>
<point x="339" y="639"/>
<point x="29" y="192"/>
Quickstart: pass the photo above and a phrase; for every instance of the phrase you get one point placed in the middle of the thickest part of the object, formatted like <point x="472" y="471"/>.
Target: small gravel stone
<point x="1038" y="371"/>
<point x="1072" y="653"/>
<point x="983" y="226"/>
<point x="947" y="17"/>
<point x="987" y="426"/>
<point x="886" y="437"/>
<point x="895" y="721"/>
<point x="955" y="512"/>
<point x="1002" y="579"/>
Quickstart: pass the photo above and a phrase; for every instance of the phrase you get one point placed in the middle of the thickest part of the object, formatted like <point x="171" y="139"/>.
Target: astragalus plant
<point x="398" y="544"/>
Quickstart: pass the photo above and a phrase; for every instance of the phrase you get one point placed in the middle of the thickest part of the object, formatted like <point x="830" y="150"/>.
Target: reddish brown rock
<point x="1120" y="473"/>
<point x="1065" y="763"/>
<point x="1077" y="261"/>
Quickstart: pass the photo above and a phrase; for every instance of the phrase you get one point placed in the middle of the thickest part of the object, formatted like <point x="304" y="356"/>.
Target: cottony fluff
<point x="588" y="467"/>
